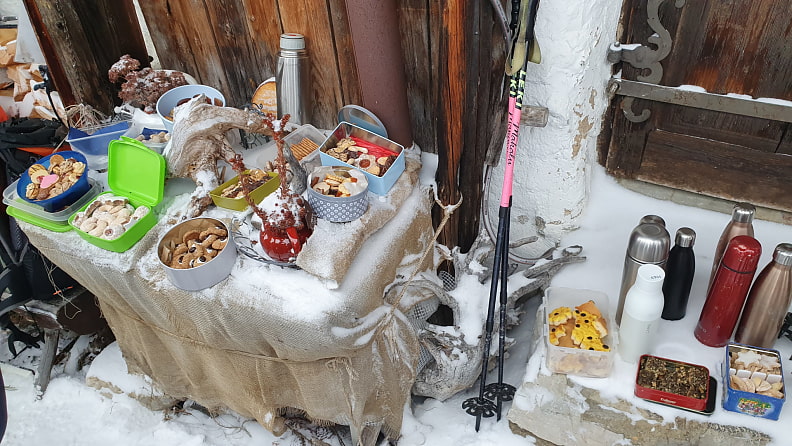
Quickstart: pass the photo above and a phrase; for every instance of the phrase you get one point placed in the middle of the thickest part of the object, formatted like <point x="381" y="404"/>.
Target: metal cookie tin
<point x="674" y="383"/>
<point x="744" y="363"/>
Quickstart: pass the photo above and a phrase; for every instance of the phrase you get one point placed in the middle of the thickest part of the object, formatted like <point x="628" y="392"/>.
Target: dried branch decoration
<point x="142" y="88"/>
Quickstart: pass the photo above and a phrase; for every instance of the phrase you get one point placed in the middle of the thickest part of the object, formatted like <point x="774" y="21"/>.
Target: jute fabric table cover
<point x="266" y="339"/>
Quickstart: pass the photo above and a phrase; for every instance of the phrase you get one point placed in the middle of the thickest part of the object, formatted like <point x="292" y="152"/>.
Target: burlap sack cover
<point x="265" y="340"/>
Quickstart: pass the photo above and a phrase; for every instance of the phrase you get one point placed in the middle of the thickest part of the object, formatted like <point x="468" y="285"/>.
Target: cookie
<point x="559" y="316"/>
<point x="599" y="322"/>
<point x="583" y="331"/>
<point x="556" y="333"/>
<point x="593" y="343"/>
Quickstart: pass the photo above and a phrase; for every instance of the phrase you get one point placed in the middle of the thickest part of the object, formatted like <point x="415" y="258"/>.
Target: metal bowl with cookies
<point x="197" y="253"/>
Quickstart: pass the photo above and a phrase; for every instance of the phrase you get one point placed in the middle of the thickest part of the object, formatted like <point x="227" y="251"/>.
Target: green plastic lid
<point x="135" y="171"/>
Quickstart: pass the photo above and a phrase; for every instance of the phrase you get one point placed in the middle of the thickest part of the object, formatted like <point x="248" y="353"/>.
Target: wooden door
<point x="735" y="47"/>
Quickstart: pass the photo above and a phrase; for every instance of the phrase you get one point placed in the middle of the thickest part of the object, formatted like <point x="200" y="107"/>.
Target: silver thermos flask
<point x="649" y="244"/>
<point x="292" y="79"/>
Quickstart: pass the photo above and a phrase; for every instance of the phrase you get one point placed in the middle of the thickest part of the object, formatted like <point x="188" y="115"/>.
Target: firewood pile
<point x="18" y="97"/>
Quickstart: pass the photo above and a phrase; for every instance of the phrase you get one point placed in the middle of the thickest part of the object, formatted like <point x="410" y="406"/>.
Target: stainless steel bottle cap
<point x="292" y="42"/>
<point x="649" y="243"/>
<point x="685" y="237"/>
<point x="743" y="212"/>
<point x="783" y="254"/>
<point x="652" y="219"/>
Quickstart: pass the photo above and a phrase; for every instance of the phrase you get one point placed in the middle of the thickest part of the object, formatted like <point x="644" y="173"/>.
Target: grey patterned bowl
<point x="338" y="209"/>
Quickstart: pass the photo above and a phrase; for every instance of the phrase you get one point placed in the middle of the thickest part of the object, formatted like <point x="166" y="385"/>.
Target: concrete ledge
<point x="562" y="413"/>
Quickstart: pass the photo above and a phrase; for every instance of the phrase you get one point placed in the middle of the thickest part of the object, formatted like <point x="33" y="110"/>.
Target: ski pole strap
<point x="524" y="38"/>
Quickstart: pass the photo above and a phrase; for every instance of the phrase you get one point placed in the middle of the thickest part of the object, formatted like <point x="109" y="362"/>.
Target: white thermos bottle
<point x="643" y="307"/>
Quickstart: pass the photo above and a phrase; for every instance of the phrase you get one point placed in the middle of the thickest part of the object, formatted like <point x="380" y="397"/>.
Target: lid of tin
<point x="783" y="254"/>
<point x="651" y="218"/>
<point x="742" y="254"/>
<point x="743" y="212"/>
<point x="292" y="41"/>
<point x="362" y="117"/>
<point x="685" y="237"/>
<point x="649" y="243"/>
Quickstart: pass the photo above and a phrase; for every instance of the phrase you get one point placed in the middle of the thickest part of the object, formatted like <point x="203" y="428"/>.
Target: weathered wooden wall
<point x="464" y="76"/>
<point x="453" y="56"/>
<point x="81" y="39"/>
<point x="233" y="46"/>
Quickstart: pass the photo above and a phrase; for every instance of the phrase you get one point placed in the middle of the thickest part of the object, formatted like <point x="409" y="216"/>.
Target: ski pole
<point x="482" y="405"/>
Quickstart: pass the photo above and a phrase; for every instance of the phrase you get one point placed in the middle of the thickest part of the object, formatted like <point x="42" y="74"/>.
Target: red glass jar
<point x="728" y="292"/>
<point x="283" y="245"/>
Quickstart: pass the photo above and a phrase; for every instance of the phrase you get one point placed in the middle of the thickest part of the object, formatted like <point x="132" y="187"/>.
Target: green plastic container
<point x="138" y="173"/>
<point x="239" y="204"/>
<point x="55" y="226"/>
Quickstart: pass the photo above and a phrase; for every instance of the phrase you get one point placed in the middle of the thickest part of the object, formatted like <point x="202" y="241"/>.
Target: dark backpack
<point x="26" y="274"/>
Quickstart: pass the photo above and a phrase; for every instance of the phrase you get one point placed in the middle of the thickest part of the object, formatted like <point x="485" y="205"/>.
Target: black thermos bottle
<point x="680" y="269"/>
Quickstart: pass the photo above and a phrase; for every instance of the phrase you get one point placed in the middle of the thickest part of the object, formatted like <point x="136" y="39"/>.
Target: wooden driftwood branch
<point x="199" y="141"/>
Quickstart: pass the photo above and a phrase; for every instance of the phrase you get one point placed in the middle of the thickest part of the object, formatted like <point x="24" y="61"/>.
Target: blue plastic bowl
<point x="97" y="143"/>
<point x="68" y="197"/>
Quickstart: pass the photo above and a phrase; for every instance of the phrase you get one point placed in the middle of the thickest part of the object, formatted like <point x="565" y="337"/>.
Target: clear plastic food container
<point x="573" y="360"/>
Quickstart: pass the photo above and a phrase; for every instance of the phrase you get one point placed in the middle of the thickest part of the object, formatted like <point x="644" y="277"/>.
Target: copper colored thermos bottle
<point x="768" y="301"/>
<point x="741" y="223"/>
<point x="728" y="292"/>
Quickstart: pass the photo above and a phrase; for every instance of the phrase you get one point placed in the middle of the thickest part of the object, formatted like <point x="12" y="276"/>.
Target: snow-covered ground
<point x="73" y="413"/>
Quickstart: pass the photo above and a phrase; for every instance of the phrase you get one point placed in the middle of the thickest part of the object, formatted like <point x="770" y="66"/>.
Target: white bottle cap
<point x="292" y="42"/>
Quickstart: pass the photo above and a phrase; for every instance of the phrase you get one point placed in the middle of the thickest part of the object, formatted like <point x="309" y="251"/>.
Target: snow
<point x="73" y="413"/>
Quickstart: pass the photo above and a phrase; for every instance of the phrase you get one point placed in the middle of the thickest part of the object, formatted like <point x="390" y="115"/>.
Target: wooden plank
<point x="627" y="140"/>
<point x="264" y="24"/>
<point x="717" y="169"/>
<point x="487" y="109"/>
<point x="311" y="18"/>
<point x="348" y="71"/>
<point x="47" y="360"/>
<point x="420" y="60"/>
<point x="785" y="146"/>
<point x="739" y="46"/>
<point x="237" y="50"/>
<point x="69" y="32"/>
<point x="183" y="36"/>
<point x="756" y="133"/>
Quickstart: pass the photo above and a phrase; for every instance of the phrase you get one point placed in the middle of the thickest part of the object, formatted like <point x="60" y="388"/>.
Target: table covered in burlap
<point x="267" y="339"/>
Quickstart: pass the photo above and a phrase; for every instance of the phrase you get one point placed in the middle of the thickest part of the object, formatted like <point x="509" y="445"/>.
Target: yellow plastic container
<point x="239" y="204"/>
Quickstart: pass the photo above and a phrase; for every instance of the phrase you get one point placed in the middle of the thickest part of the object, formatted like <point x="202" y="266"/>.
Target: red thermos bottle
<point x="728" y="292"/>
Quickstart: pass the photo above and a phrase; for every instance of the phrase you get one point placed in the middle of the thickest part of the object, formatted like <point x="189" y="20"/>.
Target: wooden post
<point x="471" y="110"/>
<point x="47" y="360"/>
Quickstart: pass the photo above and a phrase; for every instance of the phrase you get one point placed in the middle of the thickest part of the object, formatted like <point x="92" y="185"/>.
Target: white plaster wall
<point x="552" y="171"/>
